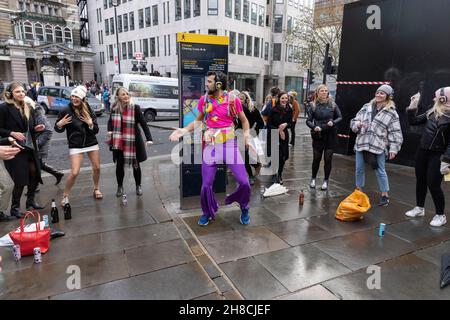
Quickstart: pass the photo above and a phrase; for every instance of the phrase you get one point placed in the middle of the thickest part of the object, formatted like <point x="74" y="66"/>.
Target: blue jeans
<point x="381" y="174"/>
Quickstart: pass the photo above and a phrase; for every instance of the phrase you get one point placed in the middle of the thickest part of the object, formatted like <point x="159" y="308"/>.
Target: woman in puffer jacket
<point x="433" y="154"/>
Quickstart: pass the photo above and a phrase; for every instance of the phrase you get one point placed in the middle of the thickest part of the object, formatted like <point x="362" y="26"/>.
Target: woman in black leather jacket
<point x="323" y="115"/>
<point x="280" y="118"/>
<point x="434" y="147"/>
<point x="80" y="123"/>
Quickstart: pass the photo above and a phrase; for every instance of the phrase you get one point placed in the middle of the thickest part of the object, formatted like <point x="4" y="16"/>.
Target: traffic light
<point x="311" y="77"/>
<point x="328" y="65"/>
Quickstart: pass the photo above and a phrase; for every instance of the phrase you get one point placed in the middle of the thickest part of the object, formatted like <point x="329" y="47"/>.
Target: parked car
<point x="157" y="96"/>
<point x="53" y="99"/>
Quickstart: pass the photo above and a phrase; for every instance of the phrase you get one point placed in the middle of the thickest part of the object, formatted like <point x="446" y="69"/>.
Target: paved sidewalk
<point x="153" y="250"/>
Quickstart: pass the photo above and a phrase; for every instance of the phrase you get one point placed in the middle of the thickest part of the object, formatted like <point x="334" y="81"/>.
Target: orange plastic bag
<point x="353" y="207"/>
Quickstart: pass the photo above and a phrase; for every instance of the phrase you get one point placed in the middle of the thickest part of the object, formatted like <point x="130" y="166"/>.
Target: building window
<point x="68" y="35"/>
<point x="232" y="42"/>
<point x="277" y="52"/>
<point x="197" y="7"/>
<point x="111" y="52"/>
<point x="228" y="8"/>
<point x="256" y="49"/>
<point x="131" y="21"/>
<point x="212" y="31"/>
<point x="141" y="18"/>
<point x="254" y="13"/>
<point x="119" y="24"/>
<point x="168" y="41"/>
<point x="278" y="23"/>
<point x="145" y="45"/>
<point x="39" y="31"/>
<point x="266" y="51"/>
<point x="124" y="50"/>
<point x="130" y="50"/>
<point x="152" y="47"/>
<point x="165" y="45"/>
<point x="290" y="53"/>
<point x="187" y="9"/>
<point x="241" y="44"/>
<point x="213" y="7"/>
<point x="111" y="25"/>
<point x="147" y="17"/>
<point x="105" y="4"/>
<point x="107" y="27"/>
<point x="246" y="11"/>
<point x="28" y="31"/>
<point x="289" y="24"/>
<point x="157" y="45"/>
<point x="248" y="52"/>
<point x="58" y="35"/>
<point x="155" y="15"/>
<point x="125" y="22"/>
<point x="237" y="9"/>
<point x="177" y="10"/>
<point x="168" y="12"/>
<point x="48" y="33"/>
<point x="262" y="13"/>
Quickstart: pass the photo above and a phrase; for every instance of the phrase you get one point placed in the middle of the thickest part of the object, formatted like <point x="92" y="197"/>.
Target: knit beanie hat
<point x="443" y="93"/>
<point x="79" y="92"/>
<point x="386" y="89"/>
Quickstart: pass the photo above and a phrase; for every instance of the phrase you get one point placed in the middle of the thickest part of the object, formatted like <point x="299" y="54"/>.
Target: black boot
<point x="31" y="204"/>
<point x="15" y="203"/>
<point x="47" y="168"/>
<point x="139" y="190"/>
<point x="119" y="192"/>
<point x="5" y="218"/>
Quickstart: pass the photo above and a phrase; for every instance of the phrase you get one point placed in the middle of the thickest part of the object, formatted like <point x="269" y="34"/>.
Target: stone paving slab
<point x="253" y="280"/>
<point x="182" y="282"/>
<point x="362" y="249"/>
<point x="419" y="232"/>
<point x="300" y="267"/>
<point x="238" y="244"/>
<point x="403" y="278"/>
<point x="317" y="292"/>
<point x="434" y="254"/>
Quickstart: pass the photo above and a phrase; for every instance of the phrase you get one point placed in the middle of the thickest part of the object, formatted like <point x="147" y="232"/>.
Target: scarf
<point x="124" y="134"/>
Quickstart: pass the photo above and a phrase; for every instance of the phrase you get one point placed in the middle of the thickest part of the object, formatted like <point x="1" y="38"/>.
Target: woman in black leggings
<point x="127" y="144"/>
<point x="433" y="154"/>
<point x="323" y="115"/>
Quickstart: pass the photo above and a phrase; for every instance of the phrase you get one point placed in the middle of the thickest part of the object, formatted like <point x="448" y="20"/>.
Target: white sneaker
<point x="324" y="185"/>
<point x="416" y="212"/>
<point x="438" y="221"/>
<point x="312" y="185"/>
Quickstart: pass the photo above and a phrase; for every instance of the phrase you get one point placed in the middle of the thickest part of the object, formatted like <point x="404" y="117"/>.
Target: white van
<point x="157" y="96"/>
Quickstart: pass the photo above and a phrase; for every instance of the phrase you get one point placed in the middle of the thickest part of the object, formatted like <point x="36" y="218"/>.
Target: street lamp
<point x="46" y="57"/>
<point x="62" y="66"/>
<point x="143" y="66"/>
<point x="115" y="3"/>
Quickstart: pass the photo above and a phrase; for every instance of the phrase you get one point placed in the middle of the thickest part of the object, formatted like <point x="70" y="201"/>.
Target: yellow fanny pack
<point x="218" y="135"/>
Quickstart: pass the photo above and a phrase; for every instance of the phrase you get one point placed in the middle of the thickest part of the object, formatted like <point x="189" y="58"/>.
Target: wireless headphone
<point x="218" y="81"/>
<point x="8" y="92"/>
<point x="442" y="97"/>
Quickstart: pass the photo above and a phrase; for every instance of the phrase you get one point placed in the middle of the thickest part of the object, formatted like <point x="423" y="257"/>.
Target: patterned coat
<point x="383" y="134"/>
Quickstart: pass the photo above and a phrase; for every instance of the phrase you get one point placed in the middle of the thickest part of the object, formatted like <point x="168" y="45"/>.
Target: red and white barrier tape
<point x="343" y="136"/>
<point x="369" y="83"/>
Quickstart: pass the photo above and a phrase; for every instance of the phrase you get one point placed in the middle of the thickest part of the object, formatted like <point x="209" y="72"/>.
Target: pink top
<point x="218" y="117"/>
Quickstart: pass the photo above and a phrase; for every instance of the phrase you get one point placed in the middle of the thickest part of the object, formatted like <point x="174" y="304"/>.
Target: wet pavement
<point x="153" y="250"/>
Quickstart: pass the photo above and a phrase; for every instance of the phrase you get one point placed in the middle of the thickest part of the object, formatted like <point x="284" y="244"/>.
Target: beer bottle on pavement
<point x="67" y="210"/>
<point x="54" y="212"/>
<point x="301" y="198"/>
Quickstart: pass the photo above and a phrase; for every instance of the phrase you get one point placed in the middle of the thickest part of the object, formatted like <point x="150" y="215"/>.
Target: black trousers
<point x="293" y="133"/>
<point x="428" y="176"/>
<point x="318" y="151"/>
<point x="120" y="170"/>
<point x="248" y="166"/>
<point x="31" y="187"/>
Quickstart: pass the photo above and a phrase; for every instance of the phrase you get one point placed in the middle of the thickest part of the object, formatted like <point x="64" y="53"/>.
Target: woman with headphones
<point x="127" y="143"/>
<point x="17" y="120"/>
<point x="80" y="123"/>
<point x="378" y="135"/>
<point x="323" y="116"/>
<point x="433" y="154"/>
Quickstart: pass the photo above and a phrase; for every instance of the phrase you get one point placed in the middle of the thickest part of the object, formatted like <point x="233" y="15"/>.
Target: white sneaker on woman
<point x="312" y="184"/>
<point x="416" y="212"/>
<point x="438" y="221"/>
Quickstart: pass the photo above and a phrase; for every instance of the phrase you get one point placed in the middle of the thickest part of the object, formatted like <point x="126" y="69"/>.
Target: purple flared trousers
<point x="225" y="153"/>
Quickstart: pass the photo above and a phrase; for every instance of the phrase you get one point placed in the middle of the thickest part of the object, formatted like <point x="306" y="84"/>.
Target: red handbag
<point x="30" y="240"/>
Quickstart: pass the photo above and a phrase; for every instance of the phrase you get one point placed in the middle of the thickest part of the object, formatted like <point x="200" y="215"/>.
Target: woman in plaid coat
<point x="127" y="143"/>
<point x="379" y="136"/>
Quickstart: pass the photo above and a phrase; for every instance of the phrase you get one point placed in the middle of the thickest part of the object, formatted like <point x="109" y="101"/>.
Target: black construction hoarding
<point x="404" y="42"/>
<point x="197" y="54"/>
